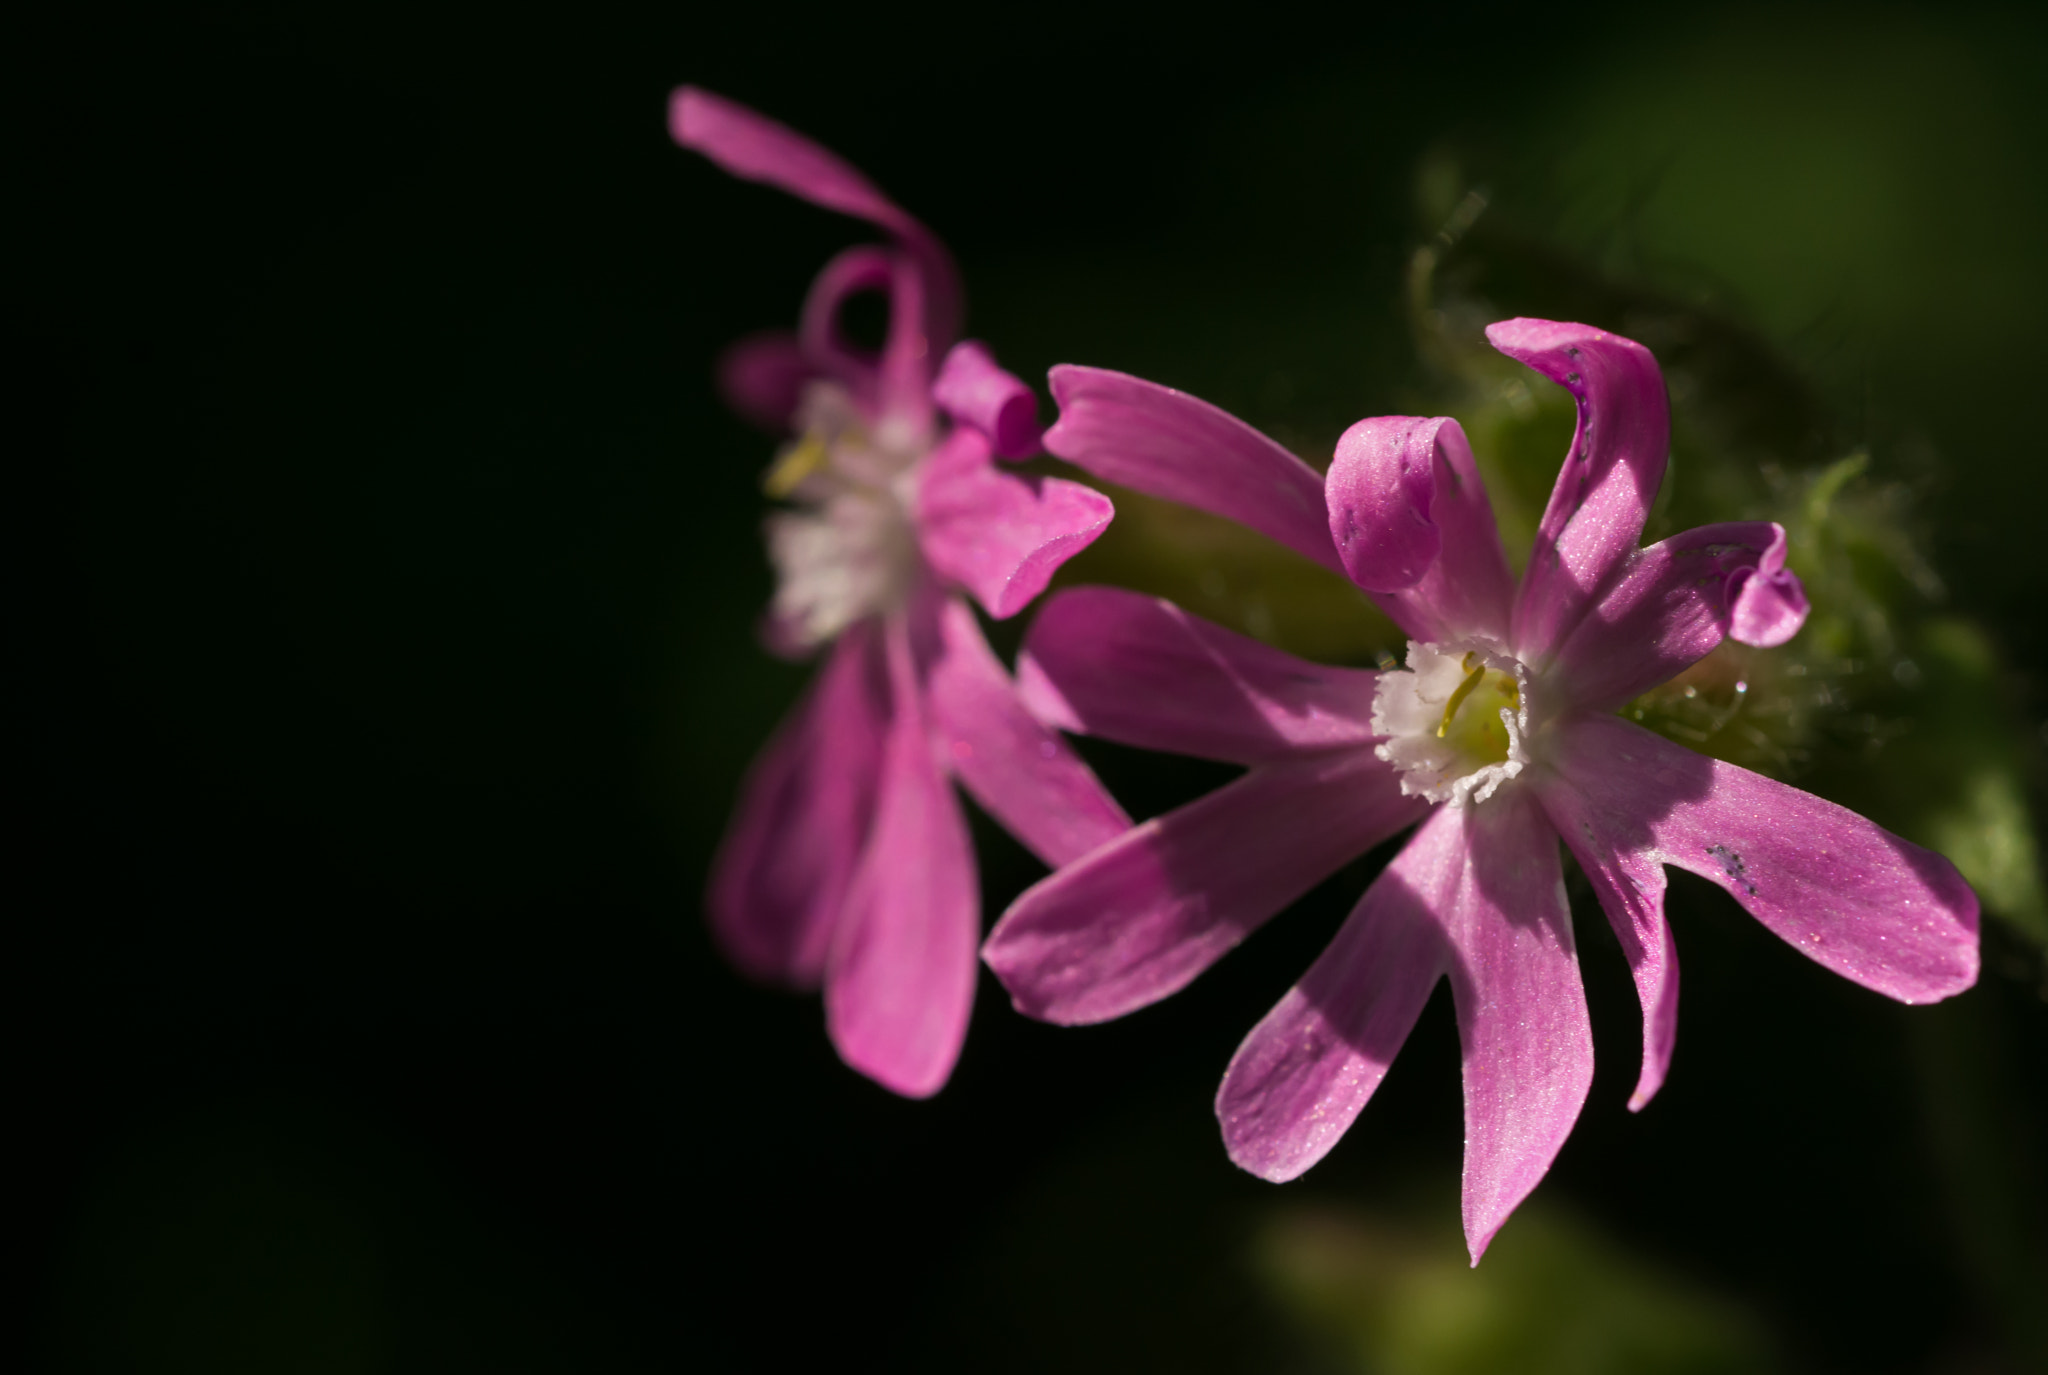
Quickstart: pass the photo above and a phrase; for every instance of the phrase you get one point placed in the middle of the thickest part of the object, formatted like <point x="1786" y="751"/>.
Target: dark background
<point x="385" y="572"/>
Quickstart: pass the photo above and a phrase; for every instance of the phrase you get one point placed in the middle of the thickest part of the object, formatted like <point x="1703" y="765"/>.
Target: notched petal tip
<point x="1179" y="448"/>
<point x="916" y="1081"/>
<point x="686" y="110"/>
<point x="999" y="533"/>
<point x="1552" y="347"/>
<point x="1646" y="1088"/>
<point x="1251" y="1151"/>
<point x="1379" y="489"/>
<point x="975" y="390"/>
<point x="1767" y="604"/>
<point x="1769" y="609"/>
<point x="1042" y="698"/>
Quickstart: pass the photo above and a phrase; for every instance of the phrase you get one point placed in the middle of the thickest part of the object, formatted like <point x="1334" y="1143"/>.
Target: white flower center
<point x="1456" y="720"/>
<point x="848" y="549"/>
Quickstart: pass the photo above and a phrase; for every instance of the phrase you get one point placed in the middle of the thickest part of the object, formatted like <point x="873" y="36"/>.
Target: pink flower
<point x="1499" y="737"/>
<point x="847" y="862"/>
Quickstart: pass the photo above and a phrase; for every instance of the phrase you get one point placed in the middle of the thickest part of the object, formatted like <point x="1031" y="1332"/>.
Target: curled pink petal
<point x="780" y="879"/>
<point x="1001" y="534"/>
<point x="1308" y="1068"/>
<point x="1610" y="475"/>
<point x="1770" y="604"/>
<point x="1139" y="918"/>
<point x="906" y="374"/>
<point x="1522" y="1022"/>
<point x="896" y="380"/>
<point x="756" y="148"/>
<point x="899" y="986"/>
<point x="848" y="274"/>
<point x="1171" y="445"/>
<point x="1131" y="668"/>
<point x="1671" y="603"/>
<point x="1016" y="767"/>
<point x="1411" y="521"/>
<point x="973" y="389"/>
<point x="1844" y="892"/>
<point x="762" y="376"/>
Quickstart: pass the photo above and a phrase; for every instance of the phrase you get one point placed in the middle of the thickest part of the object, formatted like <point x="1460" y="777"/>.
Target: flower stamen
<point x="1446" y="752"/>
<point x="808" y="455"/>
<point x="1464" y="690"/>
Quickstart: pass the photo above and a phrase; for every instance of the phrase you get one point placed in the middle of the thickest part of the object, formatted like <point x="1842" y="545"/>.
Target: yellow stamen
<point x="1464" y="690"/>
<point x="807" y="456"/>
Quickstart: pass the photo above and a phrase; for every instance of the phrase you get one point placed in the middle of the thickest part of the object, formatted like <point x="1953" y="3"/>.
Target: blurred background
<point x="381" y="625"/>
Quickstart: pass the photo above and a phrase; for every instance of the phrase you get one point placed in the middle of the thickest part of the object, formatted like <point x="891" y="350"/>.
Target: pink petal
<point x="1770" y="606"/>
<point x="1860" y="901"/>
<point x="1308" y="1068"/>
<point x="975" y="391"/>
<point x="999" y="533"/>
<point x="1630" y="886"/>
<point x="907" y="353"/>
<point x="780" y="878"/>
<point x="1610" y="474"/>
<point x="1478" y="894"/>
<point x="1673" y="602"/>
<point x="762" y="376"/>
<point x="900" y="983"/>
<point x="1139" y="918"/>
<point x="1141" y="671"/>
<point x="756" y="148"/>
<point x="1522" y="1023"/>
<point x="848" y="274"/>
<point x="1410" y="519"/>
<point x="1017" y="768"/>
<point x="1168" y="444"/>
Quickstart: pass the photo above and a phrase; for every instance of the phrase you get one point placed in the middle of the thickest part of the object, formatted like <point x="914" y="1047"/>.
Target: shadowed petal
<point x="1630" y="886"/>
<point x="1676" y="600"/>
<point x="761" y="377"/>
<point x="1139" y="918"/>
<point x="1017" y="768"/>
<point x="1522" y="1023"/>
<point x="974" y="390"/>
<point x="1609" y="478"/>
<point x="1853" y="897"/>
<point x="900" y="983"/>
<point x="1141" y="671"/>
<point x="1307" y="1069"/>
<point x="780" y="879"/>
<point x="756" y="148"/>
<point x="1170" y="445"/>
<point x="999" y="533"/>
<point x="1413" y="525"/>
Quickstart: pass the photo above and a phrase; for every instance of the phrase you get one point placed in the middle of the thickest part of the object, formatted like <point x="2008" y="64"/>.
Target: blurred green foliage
<point x="1553" y="1298"/>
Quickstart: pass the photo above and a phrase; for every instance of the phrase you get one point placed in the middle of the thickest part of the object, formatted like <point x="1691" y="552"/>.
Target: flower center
<point x="846" y="549"/>
<point x="1455" y="720"/>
